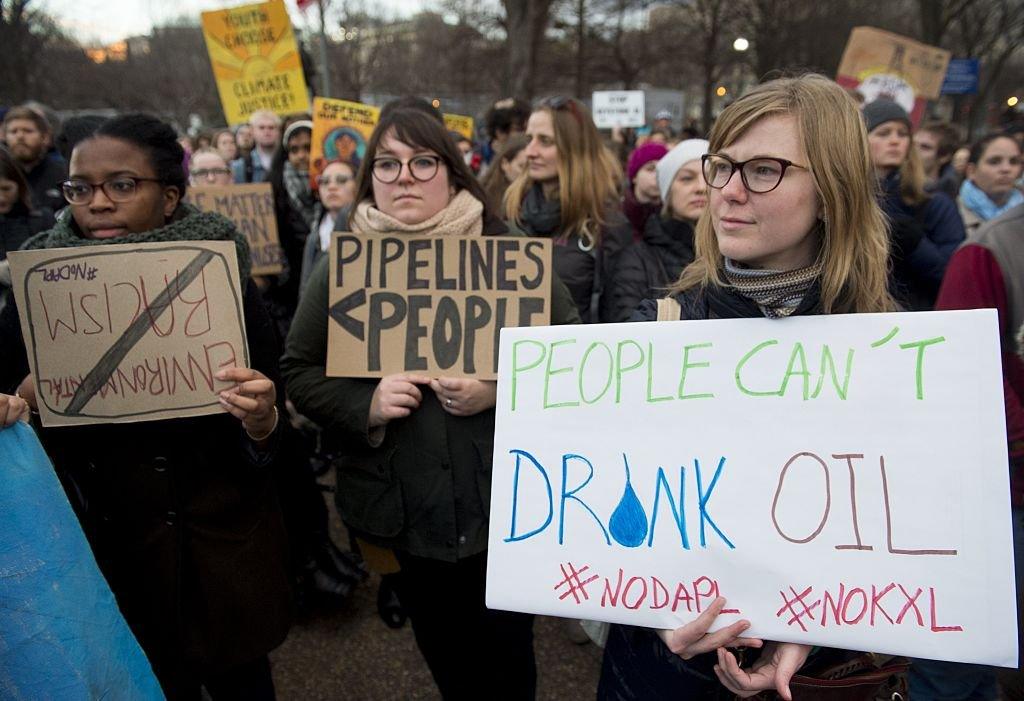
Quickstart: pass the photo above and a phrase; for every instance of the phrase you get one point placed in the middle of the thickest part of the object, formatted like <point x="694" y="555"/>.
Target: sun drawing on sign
<point x="250" y="62"/>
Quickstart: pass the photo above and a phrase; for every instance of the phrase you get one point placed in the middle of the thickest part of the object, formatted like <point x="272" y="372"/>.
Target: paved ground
<point x="348" y="653"/>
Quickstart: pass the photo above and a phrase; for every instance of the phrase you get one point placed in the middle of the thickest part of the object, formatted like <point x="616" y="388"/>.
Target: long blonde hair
<point x="589" y="175"/>
<point x="912" y="177"/>
<point x="854" y="243"/>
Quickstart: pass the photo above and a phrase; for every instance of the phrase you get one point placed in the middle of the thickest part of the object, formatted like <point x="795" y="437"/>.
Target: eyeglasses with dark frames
<point x="201" y="173"/>
<point x="120" y="189"/>
<point x="759" y="175"/>
<point x="423" y="168"/>
<point x="339" y="179"/>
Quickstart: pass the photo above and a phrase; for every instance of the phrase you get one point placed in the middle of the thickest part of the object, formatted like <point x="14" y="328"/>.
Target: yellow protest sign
<point x="340" y="132"/>
<point x="459" y="123"/>
<point x="255" y="60"/>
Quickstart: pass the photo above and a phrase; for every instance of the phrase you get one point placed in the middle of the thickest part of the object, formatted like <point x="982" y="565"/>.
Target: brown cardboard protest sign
<point x="431" y="304"/>
<point x="130" y="332"/>
<point x="882" y="64"/>
<point x="251" y="208"/>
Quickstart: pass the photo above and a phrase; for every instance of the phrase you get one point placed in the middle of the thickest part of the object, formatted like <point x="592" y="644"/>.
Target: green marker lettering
<point x="743" y="361"/>
<point x="827" y="360"/>
<point x="620" y="370"/>
<point x="549" y="373"/>
<point x="517" y="368"/>
<point x="583" y="366"/>
<point x="650" y="376"/>
<point x="687" y="365"/>
<point x="920" y="346"/>
<point x="798" y="353"/>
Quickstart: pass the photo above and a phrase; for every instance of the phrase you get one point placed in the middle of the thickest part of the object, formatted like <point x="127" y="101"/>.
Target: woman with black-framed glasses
<point x="414" y="463"/>
<point x="569" y="192"/>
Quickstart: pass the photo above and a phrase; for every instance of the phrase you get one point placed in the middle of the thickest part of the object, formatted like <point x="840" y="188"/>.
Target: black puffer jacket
<point x="649" y="266"/>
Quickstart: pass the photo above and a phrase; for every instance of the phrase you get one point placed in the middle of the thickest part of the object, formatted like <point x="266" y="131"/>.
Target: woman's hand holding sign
<point x="693" y="639"/>
<point x="251" y="401"/>
<point x="465" y="397"/>
<point x="396" y="397"/>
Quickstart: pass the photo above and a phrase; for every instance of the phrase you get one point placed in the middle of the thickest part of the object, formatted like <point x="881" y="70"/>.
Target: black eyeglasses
<point x="422" y="168"/>
<point x="208" y="173"/>
<point x="119" y="189"/>
<point x="759" y="175"/>
<point x="338" y="179"/>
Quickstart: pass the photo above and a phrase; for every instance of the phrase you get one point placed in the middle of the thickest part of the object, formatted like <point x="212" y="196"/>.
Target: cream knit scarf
<point x="462" y="217"/>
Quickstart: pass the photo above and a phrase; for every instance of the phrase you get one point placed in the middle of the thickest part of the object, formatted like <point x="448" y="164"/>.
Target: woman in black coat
<point x="19" y="220"/>
<point x="648" y="267"/>
<point x="181" y="514"/>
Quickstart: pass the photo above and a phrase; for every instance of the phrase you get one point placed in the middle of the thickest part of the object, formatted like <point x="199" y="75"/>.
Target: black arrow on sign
<point x="339" y="312"/>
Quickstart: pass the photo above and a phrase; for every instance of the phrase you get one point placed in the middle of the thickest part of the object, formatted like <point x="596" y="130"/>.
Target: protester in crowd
<point x="266" y="134"/>
<point x="204" y="140"/>
<point x="663" y="122"/>
<point x="505" y="168"/>
<point x="505" y="119"/>
<point x="569" y="193"/>
<point x="181" y="514"/>
<point x="959" y="162"/>
<point x="336" y="187"/>
<point x="924" y="229"/>
<point x="642" y="198"/>
<point x="29" y="137"/>
<point x="989" y="186"/>
<point x="936" y="142"/>
<point x="415" y="476"/>
<point x="792" y="229"/>
<point x="224" y="144"/>
<point x="207" y="167"/>
<point x="19" y="220"/>
<point x="244" y="140"/>
<point x="647" y="268"/>
<point x="987" y="272"/>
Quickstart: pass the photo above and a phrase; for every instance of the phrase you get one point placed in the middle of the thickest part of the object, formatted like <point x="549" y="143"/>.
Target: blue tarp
<point x="61" y="633"/>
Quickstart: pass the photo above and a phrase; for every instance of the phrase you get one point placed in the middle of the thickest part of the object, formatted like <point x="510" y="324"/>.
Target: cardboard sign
<point x="432" y="304"/>
<point x="840" y="480"/>
<point x="460" y="124"/>
<point x="882" y="64"/>
<point x="130" y="332"/>
<point x="255" y="60"/>
<point x="251" y="208"/>
<point x="340" y="132"/>
<point x="618" y="108"/>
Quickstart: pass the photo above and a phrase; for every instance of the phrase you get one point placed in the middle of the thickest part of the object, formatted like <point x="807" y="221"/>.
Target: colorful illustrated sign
<point x="840" y="480"/>
<point x="255" y="60"/>
<point x="882" y="64"/>
<point x="251" y="208"/>
<point x="618" y="108"/>
<point x="460" y="124"/>
<point x="433" y="304"/>
<point x="340" y="132"/>
<point x="130" y="332"/>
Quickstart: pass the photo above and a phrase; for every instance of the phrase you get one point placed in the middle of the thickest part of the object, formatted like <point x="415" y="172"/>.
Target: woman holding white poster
<point x="791" y="228"/>
<point x="414" y="475"/>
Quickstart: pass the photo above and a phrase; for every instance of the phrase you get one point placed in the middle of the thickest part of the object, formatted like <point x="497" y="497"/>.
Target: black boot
<point x="389" y="608"/>
<point x="348" y="565"/>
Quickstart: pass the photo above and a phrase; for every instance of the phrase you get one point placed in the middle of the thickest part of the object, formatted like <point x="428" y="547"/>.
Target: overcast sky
<point x="105" y="21"/>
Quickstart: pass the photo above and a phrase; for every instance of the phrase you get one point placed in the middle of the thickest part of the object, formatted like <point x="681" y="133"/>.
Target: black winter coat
<point x="183" y="519"/>
<point x="649" y="266"/>
<point x="20" y="224"/>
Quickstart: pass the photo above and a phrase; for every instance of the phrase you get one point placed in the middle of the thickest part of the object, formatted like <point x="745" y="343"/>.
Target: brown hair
<point x="29" y="114"/>
<point x="589" y="176"/>
<point x="854" y="249"/>
<point x="10" y="170"/>
<point x="495" y="183"/>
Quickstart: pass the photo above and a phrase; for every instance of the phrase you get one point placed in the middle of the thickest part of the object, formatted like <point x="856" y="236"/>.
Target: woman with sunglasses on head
<point x="570" y="193"/>
<point x="416" y="469"/>
<point x="924" y="229"/>
<point x="784" y="161"/>
<point x="181" y="514"/>
<point x="336" y="188"/>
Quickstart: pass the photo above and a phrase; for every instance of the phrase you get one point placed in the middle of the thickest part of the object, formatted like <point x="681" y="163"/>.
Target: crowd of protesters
<point x="212" y="531"/>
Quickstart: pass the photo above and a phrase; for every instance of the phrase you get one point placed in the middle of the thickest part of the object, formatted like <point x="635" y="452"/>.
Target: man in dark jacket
<point x="29" y="137"/>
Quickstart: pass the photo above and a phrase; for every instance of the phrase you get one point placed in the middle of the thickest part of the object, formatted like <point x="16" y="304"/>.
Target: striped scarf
<point x="778" y="293"/>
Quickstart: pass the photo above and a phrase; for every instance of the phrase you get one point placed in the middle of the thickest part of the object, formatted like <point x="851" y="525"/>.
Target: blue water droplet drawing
<point x="628" y="524"/>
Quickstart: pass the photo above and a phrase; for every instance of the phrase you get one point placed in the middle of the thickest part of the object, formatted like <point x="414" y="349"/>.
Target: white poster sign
<point x="618" y="108"/>
<point x="840" y="480"/>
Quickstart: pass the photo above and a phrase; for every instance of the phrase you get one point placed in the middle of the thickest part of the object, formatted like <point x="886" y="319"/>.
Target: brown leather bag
<point x="860" y="676"/>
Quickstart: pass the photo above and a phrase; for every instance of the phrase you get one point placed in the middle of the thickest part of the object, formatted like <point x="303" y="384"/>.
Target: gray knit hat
<point x="884" y="110"/>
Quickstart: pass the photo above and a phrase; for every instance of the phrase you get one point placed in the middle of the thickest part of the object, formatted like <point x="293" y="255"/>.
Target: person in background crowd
<point x="203" y="140"/>
<point x="784" y="161"/>
<point x="28" y="136"/>
<point x="569" y="193"/>
<point x="505" y="168"/>
<point x="207" y="167"/>
<point x="19" y="220"/>
<point x="936" y="143"/>
<point x="266" y="133"/>
<point x="188" y="144"/>
<point x="663" y="123"/>
<point x="336" y="187"/>
<point x="181" y="514"/>
<point x="76" y="129"/>
<point x="244" y="140"/>
<point x="647" y="268"/>
<point x="959" y="162"/>
<point x="989" y="186"/>
<point x="925" y="229"/>
<point x="224" y="144"/>
<point x="414" y="477"/>
<point x="505" y="119"/>
<point x="642" y="198"/>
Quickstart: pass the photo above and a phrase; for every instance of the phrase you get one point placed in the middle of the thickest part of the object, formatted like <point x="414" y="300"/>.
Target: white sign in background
<point x="841" y="480"/>
<point x="618" y="108"/>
